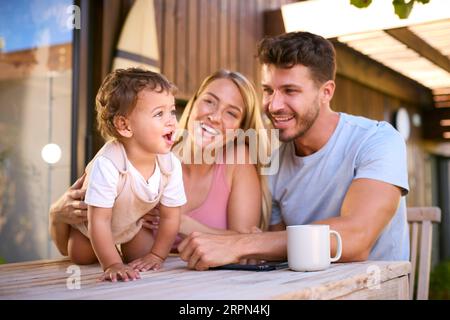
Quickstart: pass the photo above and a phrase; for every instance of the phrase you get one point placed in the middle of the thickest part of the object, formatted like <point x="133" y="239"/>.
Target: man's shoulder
<point x="358" y="122"/>
<point x="369" y="127"/>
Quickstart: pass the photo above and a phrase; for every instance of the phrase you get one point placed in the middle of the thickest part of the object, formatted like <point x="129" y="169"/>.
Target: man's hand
<point x="70" y="207"/>
<point x="202" y="251"/>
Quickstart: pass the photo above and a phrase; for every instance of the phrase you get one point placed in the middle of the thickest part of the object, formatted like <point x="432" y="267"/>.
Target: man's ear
<point x="123" y="126"/>
<point x="327" y="91"/>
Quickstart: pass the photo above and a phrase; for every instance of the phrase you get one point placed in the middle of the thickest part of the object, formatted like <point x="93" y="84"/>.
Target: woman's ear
<point x="123" y="126"/>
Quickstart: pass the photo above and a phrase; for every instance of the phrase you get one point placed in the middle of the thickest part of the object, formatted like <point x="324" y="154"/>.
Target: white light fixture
<point x="402" y="123"/>
<point x="332" y="18"/>
<point x="416" y="120"/>
<point x="51" y="153"/>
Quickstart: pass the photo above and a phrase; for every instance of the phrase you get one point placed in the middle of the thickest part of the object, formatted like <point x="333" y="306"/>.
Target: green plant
<point x="440" y="282"/>
<point x="2" y="261"/>
<point x="402" y="8"/>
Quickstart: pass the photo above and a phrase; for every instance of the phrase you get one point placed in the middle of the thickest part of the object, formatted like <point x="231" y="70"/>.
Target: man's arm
<point x="203" y="251"/>
<point x="368" y="207"/>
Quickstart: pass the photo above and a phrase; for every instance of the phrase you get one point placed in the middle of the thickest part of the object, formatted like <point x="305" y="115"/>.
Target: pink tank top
<point x="213" y="211"/>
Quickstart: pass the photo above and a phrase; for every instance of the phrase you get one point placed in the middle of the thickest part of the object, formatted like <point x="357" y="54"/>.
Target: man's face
<point x="290" y="99"/>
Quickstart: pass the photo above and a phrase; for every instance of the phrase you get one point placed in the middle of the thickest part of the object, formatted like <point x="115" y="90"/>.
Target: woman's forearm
<point x="59" y="231"/>
<point x="68" y="209"/>
<point x="189" y="225"/>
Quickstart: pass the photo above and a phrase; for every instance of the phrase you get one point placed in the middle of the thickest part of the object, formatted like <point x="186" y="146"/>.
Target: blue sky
<point x="26" y="24"/>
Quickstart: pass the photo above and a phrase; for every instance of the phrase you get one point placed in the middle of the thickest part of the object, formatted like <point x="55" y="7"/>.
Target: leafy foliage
<point x="361" y="3"/>
<point x="402" y="8"/>
<point x="440" y="281"/>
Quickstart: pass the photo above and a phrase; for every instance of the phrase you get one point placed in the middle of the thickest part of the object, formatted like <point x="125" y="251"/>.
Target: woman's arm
<point x="68" y="209"/>
<point x="244" y="203"/>
<point x="189" y="225"/>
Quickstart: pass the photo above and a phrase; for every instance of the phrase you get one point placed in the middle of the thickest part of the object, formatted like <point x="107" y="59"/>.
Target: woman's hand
<point x="70" y="207"/>
<point x="119" y="271"/>
<point x="150" y="261"/>
<point x="151" y="219"/>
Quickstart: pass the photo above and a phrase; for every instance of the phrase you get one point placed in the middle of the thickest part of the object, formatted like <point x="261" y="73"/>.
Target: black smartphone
<point x="265" y="266"/>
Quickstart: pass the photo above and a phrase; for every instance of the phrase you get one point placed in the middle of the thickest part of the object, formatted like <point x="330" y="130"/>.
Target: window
<point x="35" y="121"/>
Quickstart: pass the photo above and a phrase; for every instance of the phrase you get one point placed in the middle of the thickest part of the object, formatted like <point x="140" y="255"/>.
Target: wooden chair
<point x="423" y="216"/>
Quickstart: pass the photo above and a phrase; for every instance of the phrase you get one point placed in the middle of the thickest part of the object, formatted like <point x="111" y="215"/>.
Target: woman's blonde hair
<point x="252" y="120"/>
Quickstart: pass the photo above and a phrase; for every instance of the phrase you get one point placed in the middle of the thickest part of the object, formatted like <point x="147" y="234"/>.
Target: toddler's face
<point x="153" y="121"/>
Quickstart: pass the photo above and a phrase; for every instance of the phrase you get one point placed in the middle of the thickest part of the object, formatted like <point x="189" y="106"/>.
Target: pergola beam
<point x="414" y="42"/>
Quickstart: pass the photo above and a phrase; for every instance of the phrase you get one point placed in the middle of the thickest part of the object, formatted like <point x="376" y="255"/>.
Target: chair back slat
<point x="425" y="261"/>
<point x="420" y="214"/>
<point x="423" y="216"/>
<point x="414" y="240"/>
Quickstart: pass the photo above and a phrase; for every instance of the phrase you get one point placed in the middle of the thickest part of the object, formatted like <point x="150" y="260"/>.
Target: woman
<point x="222" y="197"/>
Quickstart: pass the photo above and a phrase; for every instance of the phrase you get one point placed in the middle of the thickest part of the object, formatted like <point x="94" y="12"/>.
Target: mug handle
<point x="339" y="246"/>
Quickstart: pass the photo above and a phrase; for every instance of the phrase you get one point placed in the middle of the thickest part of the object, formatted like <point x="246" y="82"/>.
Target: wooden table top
<point x="52" y="279"/>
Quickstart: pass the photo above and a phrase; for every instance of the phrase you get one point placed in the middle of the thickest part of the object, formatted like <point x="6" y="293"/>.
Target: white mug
<point x="308" y="247"/>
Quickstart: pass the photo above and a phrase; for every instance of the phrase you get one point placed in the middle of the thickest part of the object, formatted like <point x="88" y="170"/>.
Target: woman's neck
<point x="197" y="169"/>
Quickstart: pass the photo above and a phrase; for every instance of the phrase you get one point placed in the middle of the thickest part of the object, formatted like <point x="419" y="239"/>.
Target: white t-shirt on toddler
<point x="102" y="186"/>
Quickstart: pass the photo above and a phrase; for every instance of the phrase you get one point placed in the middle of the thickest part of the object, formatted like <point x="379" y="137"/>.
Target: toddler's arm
<point x="103" y="245"/>
<point x="168" y="229"/>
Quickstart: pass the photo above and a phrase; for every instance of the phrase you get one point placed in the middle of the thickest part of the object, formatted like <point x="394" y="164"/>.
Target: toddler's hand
<point x="119" y="271"/>
<point x="149" y="261"/>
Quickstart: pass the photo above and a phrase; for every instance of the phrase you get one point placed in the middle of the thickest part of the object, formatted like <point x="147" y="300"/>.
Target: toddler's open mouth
<point x="169" y="137"/>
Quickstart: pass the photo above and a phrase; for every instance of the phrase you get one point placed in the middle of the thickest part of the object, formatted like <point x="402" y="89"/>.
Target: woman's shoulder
<point x="241" y="163"/>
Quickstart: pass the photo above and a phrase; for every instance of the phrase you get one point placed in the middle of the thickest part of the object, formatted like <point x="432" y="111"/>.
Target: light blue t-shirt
<point x="312" y="188"/>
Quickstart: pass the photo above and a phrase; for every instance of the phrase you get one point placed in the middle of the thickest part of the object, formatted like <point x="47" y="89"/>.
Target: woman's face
<point x="218" y="109"/>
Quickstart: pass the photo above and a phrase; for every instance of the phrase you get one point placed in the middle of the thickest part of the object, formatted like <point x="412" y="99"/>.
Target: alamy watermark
<point x="74" y="280"/>
<point x="374" y="279"/>
<point x="74" y="19"/>
<point x="262" y="147"/>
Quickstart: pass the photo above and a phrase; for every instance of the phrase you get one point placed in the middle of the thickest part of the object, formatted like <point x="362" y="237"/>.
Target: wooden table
<point x="52" y="279"/>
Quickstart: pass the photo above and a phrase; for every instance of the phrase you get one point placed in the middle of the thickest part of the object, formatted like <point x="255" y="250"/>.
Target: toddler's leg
<point x="139" y="246"/>
<point x="80" y="248"/>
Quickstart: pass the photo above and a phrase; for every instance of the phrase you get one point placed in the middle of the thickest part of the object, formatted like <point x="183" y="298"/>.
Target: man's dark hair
<point x="310" y="50"/>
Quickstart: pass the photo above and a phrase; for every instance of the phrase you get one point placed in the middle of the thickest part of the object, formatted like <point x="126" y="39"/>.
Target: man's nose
<point x="276" y="102"/>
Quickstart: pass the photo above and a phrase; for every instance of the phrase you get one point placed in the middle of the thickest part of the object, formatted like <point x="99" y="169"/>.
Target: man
<point x="345" y="171"/>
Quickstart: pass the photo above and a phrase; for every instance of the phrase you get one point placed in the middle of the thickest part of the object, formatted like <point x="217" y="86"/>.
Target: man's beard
<point x="304" y="124"/>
